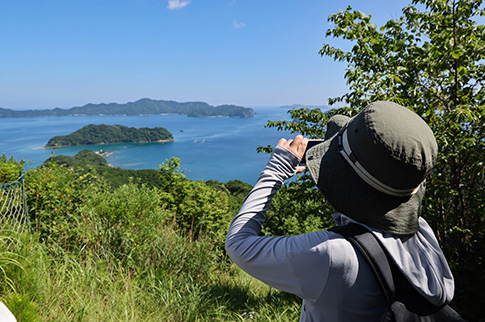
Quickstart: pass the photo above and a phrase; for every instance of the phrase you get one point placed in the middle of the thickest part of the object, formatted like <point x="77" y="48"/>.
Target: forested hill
<point x="104" y="134"/>
<point x="144" y="106"/>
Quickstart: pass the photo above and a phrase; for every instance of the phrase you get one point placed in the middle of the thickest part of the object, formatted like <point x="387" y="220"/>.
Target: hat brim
<point x="350" y="195"/>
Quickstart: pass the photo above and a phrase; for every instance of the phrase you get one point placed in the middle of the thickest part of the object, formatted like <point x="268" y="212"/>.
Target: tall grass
<point x="43" y="287"/>
<point x="98" y="254"/>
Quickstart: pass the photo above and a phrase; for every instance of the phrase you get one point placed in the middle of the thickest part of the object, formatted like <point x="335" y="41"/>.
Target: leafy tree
<point x="10" y="168"/>
<point x="115" y="177"/>
<point x="431" y="60"/>
<point x="236" y="191"/>
<point x="56" y="196"/>
<point x="198" y="208"/>
<point x="83" y="158"/>
<point x="297" y="208"/>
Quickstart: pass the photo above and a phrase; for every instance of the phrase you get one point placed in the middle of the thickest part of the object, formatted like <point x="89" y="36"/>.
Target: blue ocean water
<point x="221" y="149"/>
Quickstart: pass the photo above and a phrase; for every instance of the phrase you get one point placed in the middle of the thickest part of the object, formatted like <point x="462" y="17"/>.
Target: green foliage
<point x="22" y="307"/>
<point x="103" y="134"/>
<point x="433" y="62"/>
<point x="236" y="188"/>
<point x="114" y="255"/>
<point x="83" y="158"/>
<point x="125" y="224"/>
<point x="72" y="208"/>
<point x="10" y="169"/>
<point x="64" y="287"/>
<point x="236" y="191"/>
<point x="19" y="286"/>
<point x="55" y="196"/>
<point x="171" y="174"/>
<point x="298" y="208"/>
<point x="115" y="177"/>
<point x="198" y="209"/>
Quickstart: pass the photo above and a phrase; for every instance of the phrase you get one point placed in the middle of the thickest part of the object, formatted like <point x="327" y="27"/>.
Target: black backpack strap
<point x="394" y="284"/>
<point x="369" y="247"/>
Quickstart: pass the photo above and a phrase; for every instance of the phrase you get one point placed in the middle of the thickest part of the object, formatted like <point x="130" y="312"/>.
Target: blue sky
<point x="64" y="53"/>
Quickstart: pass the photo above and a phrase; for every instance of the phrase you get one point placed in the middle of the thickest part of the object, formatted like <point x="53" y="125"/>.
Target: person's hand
<point x="297" y="146"/>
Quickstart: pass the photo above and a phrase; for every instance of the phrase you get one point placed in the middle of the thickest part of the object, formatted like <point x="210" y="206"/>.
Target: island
<point x="105" y="134"/>
<point x="143" y="106"/>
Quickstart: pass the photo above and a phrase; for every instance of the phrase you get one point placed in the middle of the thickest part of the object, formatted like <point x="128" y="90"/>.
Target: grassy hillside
<point x="131" y="253"/>
<point x="136" y="251"/>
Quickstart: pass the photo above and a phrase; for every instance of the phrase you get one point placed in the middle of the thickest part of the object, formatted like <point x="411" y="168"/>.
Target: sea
<point x="210" y="148"/>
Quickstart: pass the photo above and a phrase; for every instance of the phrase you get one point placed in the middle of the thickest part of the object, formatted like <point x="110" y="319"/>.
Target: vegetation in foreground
<point x="132" y="253"/>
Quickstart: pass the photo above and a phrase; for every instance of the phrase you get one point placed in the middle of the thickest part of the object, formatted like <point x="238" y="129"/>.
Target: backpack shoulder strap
<point x="394" y="284"/>
<point x="369" y="247"/>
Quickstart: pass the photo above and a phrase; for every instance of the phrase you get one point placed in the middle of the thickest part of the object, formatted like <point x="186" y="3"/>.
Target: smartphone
<point x="311" y="143"/>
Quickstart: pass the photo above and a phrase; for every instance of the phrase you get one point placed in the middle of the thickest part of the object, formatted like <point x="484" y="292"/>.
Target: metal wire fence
<point x="13" y="205"/>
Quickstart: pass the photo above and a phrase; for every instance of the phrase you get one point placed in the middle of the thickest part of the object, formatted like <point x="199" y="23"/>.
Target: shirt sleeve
<point x="295" y="264"/>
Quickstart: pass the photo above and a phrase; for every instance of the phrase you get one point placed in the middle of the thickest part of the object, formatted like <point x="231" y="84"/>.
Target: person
<point x="372" y="169"/>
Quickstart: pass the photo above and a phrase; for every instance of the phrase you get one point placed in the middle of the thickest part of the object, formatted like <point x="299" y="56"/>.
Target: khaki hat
<point x="372" y="167"/>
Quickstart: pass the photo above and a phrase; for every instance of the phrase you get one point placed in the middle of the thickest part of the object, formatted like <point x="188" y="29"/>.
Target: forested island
<point x="143" y="106"/>
<point x="105" y="134"/>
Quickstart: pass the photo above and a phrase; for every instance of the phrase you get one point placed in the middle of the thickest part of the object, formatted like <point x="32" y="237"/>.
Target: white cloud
<point x="176" y="4"/>
<point x="238" y="24"/>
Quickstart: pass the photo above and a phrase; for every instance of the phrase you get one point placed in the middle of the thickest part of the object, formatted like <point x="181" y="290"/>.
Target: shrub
<point x="198" y="209"/>
<point x="125" y="224"/>
<point x="56" y="197"/>
<point x="298" y="208"/>
<point x="10" y="169"/>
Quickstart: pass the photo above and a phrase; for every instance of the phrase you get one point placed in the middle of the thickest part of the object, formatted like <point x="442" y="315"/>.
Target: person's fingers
<point x="302" y="146"/>
<point x="300" y="169"/>
<point x="297" y="146"/>
<point x="297" y="140"/>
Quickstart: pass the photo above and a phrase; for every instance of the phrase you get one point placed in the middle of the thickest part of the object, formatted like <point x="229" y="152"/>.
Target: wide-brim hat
<point x="372" y="167"/>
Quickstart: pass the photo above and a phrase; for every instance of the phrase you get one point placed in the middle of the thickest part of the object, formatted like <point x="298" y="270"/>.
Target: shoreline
<point x="105" y="155"/>
<point x="102" y="143"/>
<point x="123" y="115"/>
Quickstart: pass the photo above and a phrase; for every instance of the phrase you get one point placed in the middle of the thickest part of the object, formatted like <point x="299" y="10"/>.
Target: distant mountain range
<point x="143" y="106"/>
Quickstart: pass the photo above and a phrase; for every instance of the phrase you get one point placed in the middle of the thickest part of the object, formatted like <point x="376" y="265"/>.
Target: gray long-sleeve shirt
<point x="322" y="268"/>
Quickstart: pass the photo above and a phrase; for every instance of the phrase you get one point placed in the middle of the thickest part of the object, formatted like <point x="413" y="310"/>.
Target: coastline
<point x="102" y="143"/>
<point x="105" y="155"/>
<point x="221" y="131"/>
